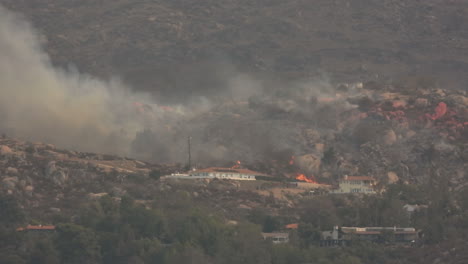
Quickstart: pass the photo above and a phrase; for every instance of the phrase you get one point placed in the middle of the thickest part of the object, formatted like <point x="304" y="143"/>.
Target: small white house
<point x="356" y="184"/>
<point x="226" y="173"/>
<point x="276" y="238"/>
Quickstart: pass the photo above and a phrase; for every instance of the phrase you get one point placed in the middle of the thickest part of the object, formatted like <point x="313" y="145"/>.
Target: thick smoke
<point x="40" y="102"/>
<point x="247" y="119"/>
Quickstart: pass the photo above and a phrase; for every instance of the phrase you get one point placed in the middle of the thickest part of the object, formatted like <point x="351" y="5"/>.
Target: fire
<point x="440" y="111"/>
<point x="302" y="177"/>
<point x="451" y="122"/>
<point x="291" y="161"/>
<point x="238" y="163"/>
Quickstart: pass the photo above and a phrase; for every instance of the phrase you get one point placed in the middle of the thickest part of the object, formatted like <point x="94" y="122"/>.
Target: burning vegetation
<point x="302" y="177"/>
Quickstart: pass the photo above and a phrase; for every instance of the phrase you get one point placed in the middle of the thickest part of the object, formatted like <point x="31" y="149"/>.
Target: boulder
<point x="410" y="133"/>
<point x="389" y="137"/>
<point x="5" y="150"/>
<point x="309" y="163"/>
<point x="55" y="210"/>
<point x="12" y="171"/>
<point x="421" y="102"/>
<point x="459" y="99"/>
<point x="96" y="196"/>
<point x="28" y="190"/>
<point x="10" y="183"/>
<point x="320" y="147"/>
<point x="392" y="177"/>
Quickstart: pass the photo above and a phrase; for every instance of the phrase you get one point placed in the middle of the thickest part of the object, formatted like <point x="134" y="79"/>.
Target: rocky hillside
<point x="174" y="47"/>
<point x="47" y="182"/>
<point x="46" y="179"/>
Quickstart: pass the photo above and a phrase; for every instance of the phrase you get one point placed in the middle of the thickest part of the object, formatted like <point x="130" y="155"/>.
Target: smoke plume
<point x="246" y="119"/>
<point x="40" y="102"/>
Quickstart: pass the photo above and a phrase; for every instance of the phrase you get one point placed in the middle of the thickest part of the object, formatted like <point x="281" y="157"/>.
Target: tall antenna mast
<point x="189" y="152"/>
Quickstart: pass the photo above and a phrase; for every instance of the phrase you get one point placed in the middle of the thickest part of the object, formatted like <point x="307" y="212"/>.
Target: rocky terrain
<point x="407" y="131"/>
<point x="406" y="134"/>
<point x="47" y="182"/>
<point x="172" y="48"/>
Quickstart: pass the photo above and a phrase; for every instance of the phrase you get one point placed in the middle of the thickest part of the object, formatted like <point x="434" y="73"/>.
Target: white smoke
<point x="64" y="107"/>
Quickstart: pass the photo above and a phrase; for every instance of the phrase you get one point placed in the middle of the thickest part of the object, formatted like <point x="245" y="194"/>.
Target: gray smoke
<point x="64" y="107"/>
<point x="245" y="120"/>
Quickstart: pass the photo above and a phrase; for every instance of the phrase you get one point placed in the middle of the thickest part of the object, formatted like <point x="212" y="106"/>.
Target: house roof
<point x="231" y="170"/>
<point x="358" y="178"/>
<point x="36" y="227"/>
<point x="292" y="226"/>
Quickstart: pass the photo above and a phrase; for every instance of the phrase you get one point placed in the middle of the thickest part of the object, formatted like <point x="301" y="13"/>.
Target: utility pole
<point x="189" y="152"/>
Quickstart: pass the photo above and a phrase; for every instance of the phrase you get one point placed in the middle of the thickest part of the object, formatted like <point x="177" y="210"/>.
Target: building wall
<point x="276" y="238"/>
<point x="346" y="186"/>
<point x="224" y="175"/>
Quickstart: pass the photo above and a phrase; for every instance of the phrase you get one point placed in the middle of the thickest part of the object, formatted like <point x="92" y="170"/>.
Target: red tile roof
<point x="292" y="226"/>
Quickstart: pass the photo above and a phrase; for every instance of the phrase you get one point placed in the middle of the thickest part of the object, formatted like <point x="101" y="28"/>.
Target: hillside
<point x="108" y="209"/>
<point x="172" y="48"/>
<point x="299" y="90"/>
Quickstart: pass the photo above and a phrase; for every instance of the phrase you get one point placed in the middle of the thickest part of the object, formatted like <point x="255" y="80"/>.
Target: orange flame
<point x="302" y="177"/>
<point x="440" y="111"/>
<point x="238" y="163"/>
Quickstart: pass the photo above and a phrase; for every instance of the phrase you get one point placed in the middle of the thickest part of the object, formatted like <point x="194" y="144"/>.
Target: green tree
<point x="145" y="222"/>
<point x="243" y="244"/>
<point x="320" y="212"/>
<point x="308" y="234"/>
<point x="11" y="258"/>
<point x="183" y="254"/>
<point x="10" y="212"/>
<point x="156" y="174"/>
<point x="271" y="224"/>
<point x="285" y="254"/>
<point x="77" y="244"/>
<point x="44" y="252"/>
<point x="199" y="229"/>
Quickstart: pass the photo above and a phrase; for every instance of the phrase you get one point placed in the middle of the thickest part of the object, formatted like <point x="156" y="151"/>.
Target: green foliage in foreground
<point x="177" y="230"/>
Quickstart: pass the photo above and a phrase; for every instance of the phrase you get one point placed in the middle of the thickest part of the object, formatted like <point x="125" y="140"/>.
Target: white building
<point x="276" y="238"/>
<point x="220" y="173"/>
<point x="356" y="184"/>
<point x="226" y="173"/>
<point x="398" y="234"/>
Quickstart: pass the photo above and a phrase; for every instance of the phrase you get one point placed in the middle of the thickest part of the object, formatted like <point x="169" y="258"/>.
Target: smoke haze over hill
<point x="243" y="117"/>
<point x="62" y="106"/>
<point x="40" y="102"/>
